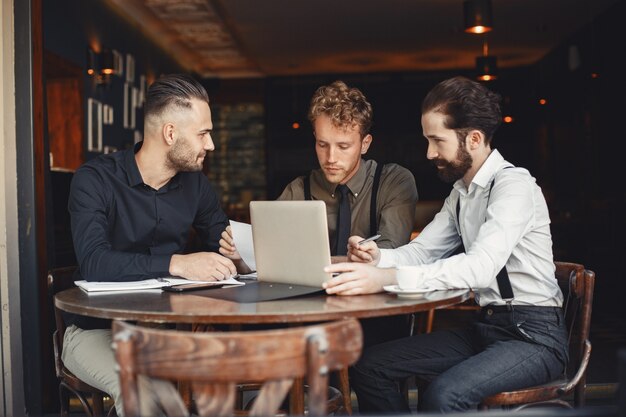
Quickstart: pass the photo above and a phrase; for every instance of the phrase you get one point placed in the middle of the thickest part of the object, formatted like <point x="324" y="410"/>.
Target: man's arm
<point x="509" y="217"/>
<point x="397" y="210"/>
<point x="210" y="220"/>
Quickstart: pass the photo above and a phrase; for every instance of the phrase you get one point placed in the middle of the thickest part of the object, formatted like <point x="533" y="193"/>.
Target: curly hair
<point x="346" y="107"/>
<point x="467" y="105"/>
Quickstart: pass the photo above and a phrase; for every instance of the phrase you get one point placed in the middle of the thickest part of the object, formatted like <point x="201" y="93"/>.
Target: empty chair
<point x="577" y="285"/>
<point x="213" y="363"/>
<point x="58" y="280"/>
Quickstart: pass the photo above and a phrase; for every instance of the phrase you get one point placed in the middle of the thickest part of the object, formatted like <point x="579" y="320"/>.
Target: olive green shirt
<point x="395" y="206"/>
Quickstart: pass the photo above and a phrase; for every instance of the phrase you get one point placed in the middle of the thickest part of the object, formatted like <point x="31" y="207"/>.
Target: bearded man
<point x="131" y="214"/>
<point x="497" y="213"/>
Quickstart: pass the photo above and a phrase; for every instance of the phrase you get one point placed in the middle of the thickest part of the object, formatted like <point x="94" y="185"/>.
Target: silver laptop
<point x="290" y="241"/>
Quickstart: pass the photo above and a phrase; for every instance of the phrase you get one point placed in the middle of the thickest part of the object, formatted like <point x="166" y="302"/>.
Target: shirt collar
<point x="130" y="164"/>
<point x="134" y="176"/>
<point x="485" y="173"/>
<point x="357" y="182"/>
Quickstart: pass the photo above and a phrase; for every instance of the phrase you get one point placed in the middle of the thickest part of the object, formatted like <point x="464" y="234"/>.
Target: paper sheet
<point x="242" y="235"/>
<point x="147" y="284"/>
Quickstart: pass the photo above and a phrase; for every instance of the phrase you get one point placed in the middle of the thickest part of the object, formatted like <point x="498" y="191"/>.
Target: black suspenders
<point x="375" y="184"/>
<point x="504" y="283"/>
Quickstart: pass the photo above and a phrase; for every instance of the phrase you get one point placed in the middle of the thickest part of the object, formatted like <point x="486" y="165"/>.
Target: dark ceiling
<point x="256" y="38"/>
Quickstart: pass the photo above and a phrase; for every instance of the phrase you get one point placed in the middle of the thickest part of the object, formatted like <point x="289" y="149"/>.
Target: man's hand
<point x="367" y="252"/>
<point x="358" y="278"/>
<point x="229" y="250"/>
<point x="227" y="245"/>
<point x="202" y="266"/>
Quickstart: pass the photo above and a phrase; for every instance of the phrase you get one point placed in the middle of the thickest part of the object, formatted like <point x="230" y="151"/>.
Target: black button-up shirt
<point x="124" y="230"/>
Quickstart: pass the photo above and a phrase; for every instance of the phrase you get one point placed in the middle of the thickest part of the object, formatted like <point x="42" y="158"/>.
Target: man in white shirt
<point x="499" y="215"/>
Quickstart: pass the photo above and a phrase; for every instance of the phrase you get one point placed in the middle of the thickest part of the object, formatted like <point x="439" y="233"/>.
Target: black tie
<point x="343" y="220"/>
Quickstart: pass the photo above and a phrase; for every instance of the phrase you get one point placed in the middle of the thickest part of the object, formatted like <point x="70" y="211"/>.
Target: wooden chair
<point x="60" y="279"/>
<point x="215" y="362"/>
<point x="577" y="284"/>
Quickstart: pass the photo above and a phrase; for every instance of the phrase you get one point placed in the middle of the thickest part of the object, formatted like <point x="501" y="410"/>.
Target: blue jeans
<point x="505" y="349"/>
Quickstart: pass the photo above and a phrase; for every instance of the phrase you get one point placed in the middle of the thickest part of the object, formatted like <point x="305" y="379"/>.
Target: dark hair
<point x="467" y="105"/>
<point x="172" y="90"/>
<point x="344" y="106"/>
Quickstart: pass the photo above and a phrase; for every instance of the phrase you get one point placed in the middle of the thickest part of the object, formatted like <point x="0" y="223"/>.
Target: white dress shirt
<point x="513" y="229"/>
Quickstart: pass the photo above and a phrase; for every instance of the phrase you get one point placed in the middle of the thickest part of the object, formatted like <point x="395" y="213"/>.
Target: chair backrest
<point x="577" y="284"/>
<point x="59" y="279"/>
<point x="214" y="362"/>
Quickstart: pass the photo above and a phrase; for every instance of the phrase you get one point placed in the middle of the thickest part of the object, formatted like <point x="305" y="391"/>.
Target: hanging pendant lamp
<point x="477" y="16"/>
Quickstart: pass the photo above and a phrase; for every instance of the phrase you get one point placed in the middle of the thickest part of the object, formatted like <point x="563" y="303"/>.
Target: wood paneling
<point x="65" y="122"/>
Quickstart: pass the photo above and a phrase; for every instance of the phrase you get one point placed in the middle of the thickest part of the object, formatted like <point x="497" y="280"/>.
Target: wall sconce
<point x="486" y="65"/>
<point x="477" y="16"/>
<point x="101" y="65"/>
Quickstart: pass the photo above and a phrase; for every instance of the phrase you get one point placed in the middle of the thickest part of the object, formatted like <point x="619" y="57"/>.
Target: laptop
<point x="291" y="249"/>
<point x="290" y="241"/>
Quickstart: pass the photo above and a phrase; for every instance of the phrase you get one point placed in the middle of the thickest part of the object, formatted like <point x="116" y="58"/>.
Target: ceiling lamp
<point x="486" y="65"/>
<point x="477" y="16"/>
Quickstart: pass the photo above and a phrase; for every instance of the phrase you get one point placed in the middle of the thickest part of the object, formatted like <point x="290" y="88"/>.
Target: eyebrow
<point x="205" y="131"/>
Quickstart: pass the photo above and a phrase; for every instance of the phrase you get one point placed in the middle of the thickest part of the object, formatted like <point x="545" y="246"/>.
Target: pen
<point x="369" y="239"/>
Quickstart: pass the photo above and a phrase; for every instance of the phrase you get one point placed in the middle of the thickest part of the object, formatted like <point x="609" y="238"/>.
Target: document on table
<point x="146" y="284"/>
<point x="242" y="235"/>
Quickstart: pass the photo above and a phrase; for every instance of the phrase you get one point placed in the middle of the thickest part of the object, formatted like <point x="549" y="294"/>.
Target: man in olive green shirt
<point x="342" y="117"/>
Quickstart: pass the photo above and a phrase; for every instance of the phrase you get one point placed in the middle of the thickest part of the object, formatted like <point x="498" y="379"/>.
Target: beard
<point x="182" y="158"/>
<point x="451" y="171"/>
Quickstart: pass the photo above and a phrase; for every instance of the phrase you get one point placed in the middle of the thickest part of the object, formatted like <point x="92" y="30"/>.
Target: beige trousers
<point x="88" y="355"/>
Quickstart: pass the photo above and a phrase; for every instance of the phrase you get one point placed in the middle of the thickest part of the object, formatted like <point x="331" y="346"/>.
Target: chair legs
<point x="95" y="409"/>
<point x="344" y="388"/>
<point x="64" y="400"/>
<point x="97" y="404"/>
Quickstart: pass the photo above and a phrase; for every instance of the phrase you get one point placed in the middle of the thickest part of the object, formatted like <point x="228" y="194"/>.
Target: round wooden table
<point x="199" y="307"/>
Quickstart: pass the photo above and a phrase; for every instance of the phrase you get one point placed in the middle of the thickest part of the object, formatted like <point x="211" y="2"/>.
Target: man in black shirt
<point x="132" y="212"/>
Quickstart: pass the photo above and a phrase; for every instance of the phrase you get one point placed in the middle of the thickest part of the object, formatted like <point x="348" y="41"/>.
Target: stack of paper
<point x="147" y="284"/>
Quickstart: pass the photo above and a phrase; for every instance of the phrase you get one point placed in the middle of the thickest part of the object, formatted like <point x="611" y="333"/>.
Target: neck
<point x="153" y="166"/>
<point x="479" y="159"/>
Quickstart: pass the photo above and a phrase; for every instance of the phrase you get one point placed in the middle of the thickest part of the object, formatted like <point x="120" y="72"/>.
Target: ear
<point x="168" y="133"/>
<point x="475" y="138"/>
<point x="365" y="143"/>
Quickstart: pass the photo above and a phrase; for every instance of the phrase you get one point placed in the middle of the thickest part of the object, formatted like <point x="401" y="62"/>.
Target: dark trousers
<point x="378" y="330"/>
<point x="503" y="350"/>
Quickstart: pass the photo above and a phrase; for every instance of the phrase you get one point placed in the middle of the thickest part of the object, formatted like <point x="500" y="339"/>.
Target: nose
<point x="209" y="145"/>
<point x="331" y="154"/>
<point x="431" y="153"/>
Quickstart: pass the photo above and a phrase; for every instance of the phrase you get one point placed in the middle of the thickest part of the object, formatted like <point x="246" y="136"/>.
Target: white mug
<point x="408" y="276"/>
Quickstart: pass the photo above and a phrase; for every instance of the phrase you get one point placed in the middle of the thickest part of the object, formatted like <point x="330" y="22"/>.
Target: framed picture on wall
<point x="130" y="68"/>
<point x="107" y="114"/>
<point x="142" y="90"/>
<point x="127" y="104"/>
<point x="118" y="63"/>
<point x="94" y="125"/>
<point x="134" y="105"/>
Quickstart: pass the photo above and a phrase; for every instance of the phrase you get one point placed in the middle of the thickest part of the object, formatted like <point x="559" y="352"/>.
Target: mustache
<point x="439" y="162"/>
